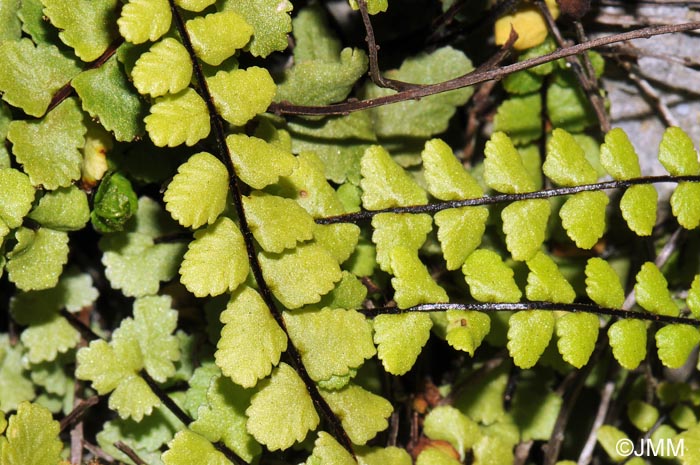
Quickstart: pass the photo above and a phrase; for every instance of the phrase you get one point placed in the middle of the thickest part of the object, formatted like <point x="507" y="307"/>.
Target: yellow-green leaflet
<point x="577" y="333"/>
<point x="651" y="291"/>
<point x="603" y="284"/>
<point x="642" y="415"/>
<point x="165" y="68"/>
<point x="194" y="5"/>
<point x="466" y="329"/>
<point x="638" y="207"/>
<point x="677" y="153"/>
<point x="685" y="204"/>
<point x="525" y="225"/>
<point x="608" y="437"/>
<point x="277" y="223"/>
<point x="31" y="437"/>
<point x="618" y="157"/>
<point x="519" y="117"/>
<point x="546" y="283"/>
<point x="37" y="260"/>
<point x="529" y="333"/>
<point x="178" y="118"/>
<point x="361" y="413"/>
<point x="327" y="451"/>
<point x="400" y="338"/>
<point x="460" y="231"/>
<point x="378" y="166"/>
<point x="489" y="279"/>
<point x="503" y="166"/>
<point x="583" y="217"/>
<point x="217" y="36"/>
<point x="694" y="296"/>
<point x="339" y="239"/>
<point x="251" y="341"/>
<point x="566" y="162"/>
<point x="446" y="423"/>
<point x="258" y="163"/>
<point x="412" y="282"/>
<point x="241" y="94"/>
<point x="16" y="197"/>
<point x="628" y="339"/>
<point x="383" y="456"/>
<point x="675" y="343"/>
<point x="144" y="20"/>
<point x="186" y="445"/>
<point x="436" y="456"/>
<point x="446" y="177"/>
<point x="393" y="230"/>
<point x="271" y="23"/>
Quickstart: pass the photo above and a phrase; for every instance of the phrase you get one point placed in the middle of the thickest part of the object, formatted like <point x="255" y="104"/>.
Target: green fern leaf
<point x="31" y="13"/>
<point x="251" y="341"/>
<point x="217" y="36"/>
<point x="77" y="23"/>
<point x="15" y="385"/>
<point x="460" y="231"/>
<point x="694" y="297"/>
<point x="583" y="217"/>
<point x="377" y="167"/>
<point x="642" y="415"/>
<point x="529" y="333"/>
<point x="492" y="450"/>
<point x="179" y="118"/>
<point x="361" y="413"/>
<point x="165" y="68"/>
<point x="373" y="6"/>
<point x="446" y="177"/>
<point x="270" y="20"/>
<point x="319" y="268"/>
<point x="652" y="293"/>
<point x="691" y="445"/>
<point x="48" y="149"/>
<point x="258" y="163"/>
<point x="504" y="170"/>
<point x="37" y="260"/>
<point x="546" y="283"/>
<point x="446" y="423"/>
<point x="327" y="451"/>
<point x="628" y="339"/>
<point x="241" y="94"/>
<point x="338" y="239"/>
<point x="567" y="105"/>
<point x="143" y="20"/>
<point x="216" y="261"/>
<point x="65" y="209"/>
<point x="48" y="338"/>
<point x="277" y="223"/>
<point x="349" y="293"/>
<point x="330" y="341"/>
<point x="466" y="330"/>
<point x="603" y="284"/>
<point x="394" y="230"/>
<point x="114" y="204"/>
<point x="10" y="25"/>
<point x="281" y="400"/>
<point x="5" y="120"/>
<point x="638" y="207"/>
<point x="193" y="198"/>
<point x="435" y="456"/>
<point x="519" y="117"/>
<point x="677" y="153"/>
<point x="525" y="225"/>
<point x="608" y="437"/>
<point x="383" y="456"/>
<point x="32" y="437"/>
<point x="400" y="338"/>
<point x="566" y="162"/>
<point x="489" y="279"/>
<point x="577" y="333"/>
<point x="618" y="157"/>
<point x="222" y="418"/>
<point x="32" y="75"/>
<point x="194" y="5"/>
<point x="412" y="282"/>
<point x="675" y="343"/>
<point x="186" y="445"/>
<point x="16" y="197"/>
<point x="685" y="205"/>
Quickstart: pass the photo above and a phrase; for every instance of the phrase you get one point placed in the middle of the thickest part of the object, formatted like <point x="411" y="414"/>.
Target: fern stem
<point x="366" y="215"/>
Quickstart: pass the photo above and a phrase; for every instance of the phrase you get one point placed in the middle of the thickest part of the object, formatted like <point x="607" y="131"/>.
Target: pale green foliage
<point x="310" y="260"/>
<point x="383" y="456"/>
<point x="222" y="418"/>
<point x="241" y="94"/>
<point x="217" y="36"/>
<point x="675" y="343"/>
<point x="583" y="217"/>
<point x="489" y="279"/>
<point x="178" y="118"/>
<point x="32" y="437"/>
<point x="638" y="207"/>
<point x="339" y="239"/>
<point x="15" y="385"/>
<point x="546" y="283"/>
<point x="16" y="197"/>
<point x="31" y="75"/>
<point x="466" y="330"/>
<point x="503" y="166"/>
<point x="400" y="338"/>
<point x="106" y="94"/>
<point x="444" y="174"/>
<point x="525" y="224"/>
<point x="392" y="230"/>
<point x="37" y="260"/>
<point x="566" y="162"/>
<point x="65" y="209"/>
<point x="258" y="163"/>
<point x="685" y="205"/>
<point x="373" y="6"/>
<point x="691" y="445"/>
<point x="270" y="21"/>
<point x="677" y="153"/>
<point x="330" y="341"/>
<point x="197" y="193"/>
<point x="628" y="339"/>
<point x="186" y="445"/>
<point x="642" y="415"/>
<point x="165" y="68"/>
<point x="529" y="333"/>
<point x="377" y="167"/>
<point x="216" y="261"/>
<point x="449" y="424"/>
<point x="194" y="5"/>
<point x="603" y="284"/>
<point x="651" y="291"/>
<point x="281" y="400"/>
<point x="608" y="436"/>
<point x="144" y="20"/>
<point x="460" y="231"/>
<point x="577" y="334"/>
<point x="277" y="223"/>
<point x="435" y="456"/>
<point x="519" y="117"/>
<point x="361" y="413"/>
<point x="327" y="451"/>
<point x="48" y="149"/>
<point x="10" y="26"/>
<point x="251" y="341"/>
<point x="412" y="282"/>
<point x="535" y="410"/>
<point x="83" y="25"/>
<point x="694" y="296"/>
<point x="492" y="451"/>
<point x="618" y="157"/>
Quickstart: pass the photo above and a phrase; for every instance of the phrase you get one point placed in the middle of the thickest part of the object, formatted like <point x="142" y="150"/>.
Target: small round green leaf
<point x="460" y="231"/>
<point x="566" y="162"/>
<point x="466" y="329"/>
<point x="446" y="177"/>
<point x="393" y="230"/>
<point x="618" y="157"/>
<point x="179" y="118"/>
<point x="489" y="279"/>
<point x="638" y="207"/>
<point x="271" y="23"/>
<point x="694" y="297"/>
<point x="400" y="338"/>
<point x="504" y="170"/>
<point x="31" y="437"/>
<point x="628" y="339"/>
<point x="258" y="163"/>
<point x="642" y="415"/>
<point x="16" y="197"/>
<point x="525" y="225"/>
<point x="577" y="333"/>
<point x="143" y="20"/>
<point x="37" y="260"/>
<point x="241" y="94"/>
<point x="277" y="223"/>
<point x="186" y="445"/>
<point x="217" y="36"/>
<point x="677" y="153"/>
<point x="446" y="423"/>
<point x="529" y="333"/>
<point x="675" y="343"/>
<point x="65" y="209"/>
<point x="361" y="413"/>
<point x="603" y="284"/>
<point x="651" y="291"/>
<point x="377" y="167"/>
<point x="164" y="68"/>
<point x="583" y="217"/>
<point x="328" y="451"/>
<point x="685" y="204"/>
<point x="412" y="282"/>
<point x="546" y="283"/>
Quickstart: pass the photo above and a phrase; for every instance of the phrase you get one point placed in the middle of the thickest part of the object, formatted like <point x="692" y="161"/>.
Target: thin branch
<point x="98" y="452"/>
<point x="85" y="331"/>
<point x="129" y="452"/>
<point x="605" y="397"/>
<point x="366" y="215"/>
<point x="166" y="400"/>
<point x="649" y="91"/>
<point x="536" y="305"/>
<point x="78" y="412"/>
<point x="285" y="108"/>
<point x="222" y="150"/>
